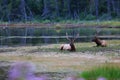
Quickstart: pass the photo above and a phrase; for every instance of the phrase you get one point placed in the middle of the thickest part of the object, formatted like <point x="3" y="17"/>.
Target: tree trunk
<point x="113" y="5"/>
<point x="91" y="6"/>
<point x="56" y="8"/>
<point x="109" y="8"/>
<point x="30" y="12"/>
<point x="46" y="10"/>
<point x="97" y="8"/>
<point x="68" y="8"/>
<point x="23" y="10"/>
<point x="116" y="7"/>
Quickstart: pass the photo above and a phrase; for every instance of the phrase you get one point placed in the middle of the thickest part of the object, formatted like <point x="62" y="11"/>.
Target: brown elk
<point x="98" y="41"/>
<point x="70" y="46"/>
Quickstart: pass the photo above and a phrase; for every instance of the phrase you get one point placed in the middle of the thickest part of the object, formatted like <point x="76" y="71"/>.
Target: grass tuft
<point x="108" y="71"/>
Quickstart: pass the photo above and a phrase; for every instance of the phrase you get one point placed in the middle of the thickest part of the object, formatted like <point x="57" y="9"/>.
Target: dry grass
<point x="57" y="62"/>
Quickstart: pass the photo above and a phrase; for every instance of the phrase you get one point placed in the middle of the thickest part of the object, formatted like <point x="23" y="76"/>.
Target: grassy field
<point x="48" y="58"/>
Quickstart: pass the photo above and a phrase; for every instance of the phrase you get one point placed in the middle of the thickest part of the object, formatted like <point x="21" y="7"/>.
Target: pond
<point x="46" y="35"/>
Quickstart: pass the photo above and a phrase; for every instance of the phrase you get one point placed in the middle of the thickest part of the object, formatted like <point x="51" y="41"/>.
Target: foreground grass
<point x="52" y="62"/>
<point x="108" y="71"/>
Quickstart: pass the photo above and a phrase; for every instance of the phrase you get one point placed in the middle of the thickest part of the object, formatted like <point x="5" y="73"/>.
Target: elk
<point x="98" y="41"/>
<point x="70" y="46"/>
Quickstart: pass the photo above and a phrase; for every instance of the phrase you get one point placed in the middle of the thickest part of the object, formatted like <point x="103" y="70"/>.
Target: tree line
<point x="29" y="10"/>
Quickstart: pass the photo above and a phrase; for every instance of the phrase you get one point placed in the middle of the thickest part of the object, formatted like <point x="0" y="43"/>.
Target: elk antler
<point x="76" y="37"/>
<point x="67" y="36"/>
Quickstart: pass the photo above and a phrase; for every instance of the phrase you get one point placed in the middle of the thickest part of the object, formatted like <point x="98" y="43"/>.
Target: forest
<point x="57" y="10"/>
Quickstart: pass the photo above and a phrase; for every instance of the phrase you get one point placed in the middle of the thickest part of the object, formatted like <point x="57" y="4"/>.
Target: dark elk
<point x="99" y="42"/>
<point x="70" y="46"/>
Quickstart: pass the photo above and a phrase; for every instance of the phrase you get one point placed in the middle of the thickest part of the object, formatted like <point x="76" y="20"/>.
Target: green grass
<point x="84" y="49"/>
<point x="108" y="23"/>
<point x="91" y="46"/>
<point x="105" y="23"/>
<point x="97" y="49"/>
<point x="113" y="45"/>
<point x="108" y="71"/>
<point x="85" y="46"/>
<point x="112" y="23"/>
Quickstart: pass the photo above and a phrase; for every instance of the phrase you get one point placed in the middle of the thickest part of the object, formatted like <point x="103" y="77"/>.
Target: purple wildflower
<point x="101" y="78"/>
<point x="74" y="78"/>
<point x="23" y="71"/>
<point x="36" y="78"/>
<point x="80" y="79"/>
<point x="71" y="78"/>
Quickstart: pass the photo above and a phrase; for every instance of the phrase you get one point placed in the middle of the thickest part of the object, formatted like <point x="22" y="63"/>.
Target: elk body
<point x="70" y="46"/>
<point x="99" y="42"/>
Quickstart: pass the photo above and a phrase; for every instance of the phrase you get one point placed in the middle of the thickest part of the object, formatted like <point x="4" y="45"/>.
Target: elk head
<point x="70" y="46"/>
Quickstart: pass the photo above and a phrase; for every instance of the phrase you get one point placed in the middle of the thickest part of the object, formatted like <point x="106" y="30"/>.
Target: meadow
<point x="49" y="58"/>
